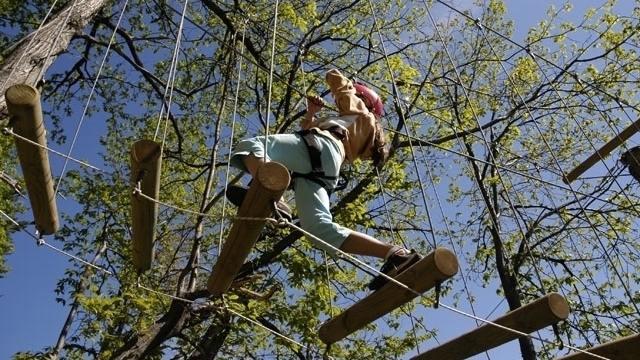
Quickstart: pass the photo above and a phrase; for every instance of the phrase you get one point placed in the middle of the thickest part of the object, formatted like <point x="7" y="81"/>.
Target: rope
<point x="93" y="87"/>
<point x="324" y="252"/>
<point x="271" y="70"/>
<point x="508" y="195"/>
<point x="418" y="173"/>
<point x="413" y="156"/>
<point x="562" y="100"/>
<point x="279" y="223"/>
<point x="546" y="144"/>
<point x="233" y="127"/>
<point x="168" y="92"/>
<point x="41" y="242"/>
<point x="514" y="331"/>
<point x="227" y="309"/>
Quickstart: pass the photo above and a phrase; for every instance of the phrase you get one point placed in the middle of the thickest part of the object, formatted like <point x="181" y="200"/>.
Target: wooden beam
<point x="270" y="183"/>
<point x="534" y="316"/>
<point x="621" y="349"/>
<point x="25" y="111"/>
<point x="146" y="159"/>
<point x="438" y="266"/>
<point x="603" y="152"/>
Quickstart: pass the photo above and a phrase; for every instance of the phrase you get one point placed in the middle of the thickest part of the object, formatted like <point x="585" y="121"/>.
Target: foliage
<point x="483" y="131"/>
<point x="10" y="190"/>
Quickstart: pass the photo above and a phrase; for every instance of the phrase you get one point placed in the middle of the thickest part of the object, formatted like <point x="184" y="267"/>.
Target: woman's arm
<point x="314" y="104"/>
<point x="344" y="94"/>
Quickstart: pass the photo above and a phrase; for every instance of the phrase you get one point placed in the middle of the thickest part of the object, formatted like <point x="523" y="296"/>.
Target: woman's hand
<point x="314" y="103"/>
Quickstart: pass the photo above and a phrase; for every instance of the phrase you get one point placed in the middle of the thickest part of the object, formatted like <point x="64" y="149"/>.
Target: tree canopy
<point x="484" y="130"/>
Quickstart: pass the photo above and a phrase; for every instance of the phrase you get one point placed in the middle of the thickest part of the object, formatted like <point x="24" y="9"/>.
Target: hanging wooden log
<point x="621" y="349"/>
<point x="25" y="113"/>
<point x="270" y="183"/>
<point x="631" y="159"/>
<point x="603" y="152"/>
<point x="146" y="159"/>
<point x="436" y="267"/>
<point x="534" y="316"/>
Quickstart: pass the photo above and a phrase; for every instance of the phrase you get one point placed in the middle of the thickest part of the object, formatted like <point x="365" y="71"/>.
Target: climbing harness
<point x="317" y="174"/>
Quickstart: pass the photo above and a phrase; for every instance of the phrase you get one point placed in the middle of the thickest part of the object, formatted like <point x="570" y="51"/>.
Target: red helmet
<point x="374" y="99"/>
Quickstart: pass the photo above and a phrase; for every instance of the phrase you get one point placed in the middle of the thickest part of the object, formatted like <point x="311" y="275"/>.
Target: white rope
<point x="234" y="120"/>
<point x="279" y="223"/>
<point x="168" y="93"/>
<point x="86" y="107"/>
<point x="9" y="131"/>
<point x="522" y="100"/>
<point x="271" y="69"/>
<point x="41" y="242"/>
<point x="227" y="309"/>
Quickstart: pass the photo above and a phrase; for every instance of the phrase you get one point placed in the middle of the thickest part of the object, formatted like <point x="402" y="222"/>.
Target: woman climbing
<point x="315" y="155"/>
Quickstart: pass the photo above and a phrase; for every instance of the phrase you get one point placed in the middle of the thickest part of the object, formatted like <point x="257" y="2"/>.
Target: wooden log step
<point x="146" y="160"/>
<point x="436" y="267"/>
<point x="622" y="349"/>
<point x="270" y="183"/>
<point x="534" y="316"/>
<point x="25" y="112"/>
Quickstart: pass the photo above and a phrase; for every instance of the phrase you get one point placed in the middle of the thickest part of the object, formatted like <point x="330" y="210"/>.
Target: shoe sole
<point x="236" y="194"/>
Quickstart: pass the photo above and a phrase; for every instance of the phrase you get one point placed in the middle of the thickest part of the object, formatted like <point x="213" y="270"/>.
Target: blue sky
<point x="31" y="319"/>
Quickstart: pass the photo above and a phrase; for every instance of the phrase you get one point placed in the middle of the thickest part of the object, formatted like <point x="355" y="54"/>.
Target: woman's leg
<point x="252" y="163"/>
<point x="362" y="244"/>
<point x="286" y="149"/>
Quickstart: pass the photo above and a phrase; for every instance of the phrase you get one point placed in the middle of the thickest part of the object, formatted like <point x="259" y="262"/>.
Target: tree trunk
<point x="141" y="345"/>
<point x="34" y="53"/>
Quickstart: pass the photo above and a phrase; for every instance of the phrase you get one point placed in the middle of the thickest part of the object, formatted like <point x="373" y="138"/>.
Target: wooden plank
<point x="622" y="349"/>
<point x="146" y="159"/>
<point x="534" y="316"/>
<point x="603" y="152"/>
<point x="270" y="183"/>
<point x="25" y="111"/>
<point x="438" y="266"/>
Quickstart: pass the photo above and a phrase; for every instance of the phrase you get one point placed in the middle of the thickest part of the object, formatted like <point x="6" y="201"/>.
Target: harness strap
<point x="317" y="173"/>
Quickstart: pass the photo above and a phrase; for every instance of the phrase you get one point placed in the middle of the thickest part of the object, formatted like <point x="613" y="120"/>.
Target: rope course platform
<point x="483" y="128"/>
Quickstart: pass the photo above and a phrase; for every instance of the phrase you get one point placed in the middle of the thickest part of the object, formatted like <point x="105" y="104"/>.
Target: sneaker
<point x="237" y="193"/>
<point x="394" y="265"/>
